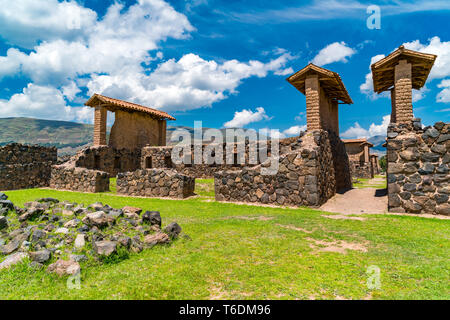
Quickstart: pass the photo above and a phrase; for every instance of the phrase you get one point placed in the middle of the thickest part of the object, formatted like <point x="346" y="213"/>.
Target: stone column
<point x="312" y="90"/>
<point x="403" y="92"/>
<point x="100" y="126"/>
<point x="366" y="153"/>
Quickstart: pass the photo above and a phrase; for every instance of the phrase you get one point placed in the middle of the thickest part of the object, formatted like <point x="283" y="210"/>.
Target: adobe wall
<point x="306" y="177"/>
<point x="155" y="183"/>
<point x="68" y="177"/>
<point x="23" y="166"/>
<point x="361" y="170"/>
<point x="105" y="158"/>
<point x="135" y="130"/>
<point x="418" y="173"/>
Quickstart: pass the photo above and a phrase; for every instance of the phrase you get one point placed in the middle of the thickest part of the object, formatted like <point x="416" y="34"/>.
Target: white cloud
<point x="272" y="133"/>
<point x="356" y="131"/>
<point x="367" y="86"/>
<point x="25" y="22"/>
<point x="294" y="130"/>
<point x="189" y="83"/>
<point x="112" y="55"/>
<point x="244" y="117"/>
<point x="444" y="95"/>
<point x="43" y="102"/>
<point x="334" y="52"/>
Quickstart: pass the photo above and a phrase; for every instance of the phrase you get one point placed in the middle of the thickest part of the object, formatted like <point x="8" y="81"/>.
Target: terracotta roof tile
<point x="98" y="99"/>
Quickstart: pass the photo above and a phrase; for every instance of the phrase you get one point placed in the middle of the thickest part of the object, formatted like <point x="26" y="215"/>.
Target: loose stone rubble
<point x="63" y="237"/>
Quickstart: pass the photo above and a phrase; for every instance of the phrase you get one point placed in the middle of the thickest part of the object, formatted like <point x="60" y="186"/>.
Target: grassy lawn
<point x="371" y="183"/>
<point x="251" y="252"/>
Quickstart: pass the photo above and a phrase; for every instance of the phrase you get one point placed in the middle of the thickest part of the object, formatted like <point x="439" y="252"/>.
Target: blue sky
<point x="222" y="62"/>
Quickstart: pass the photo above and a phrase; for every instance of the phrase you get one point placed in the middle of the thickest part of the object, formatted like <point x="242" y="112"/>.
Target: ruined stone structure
<point x="155" y="183"/>
<point x="305" y="177"/>
<point x="358" y="151"/>
<point x="23" y="166"/>
<point x="68" y="177"/>
<point x="135" y="126"/>
<point x="417" y="158"/>
<point x="316" y="168"/>
<point x="375" y="164"/>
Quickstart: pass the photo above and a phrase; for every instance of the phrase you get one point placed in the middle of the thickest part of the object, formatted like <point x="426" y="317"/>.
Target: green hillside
<point x="66" y="136"/>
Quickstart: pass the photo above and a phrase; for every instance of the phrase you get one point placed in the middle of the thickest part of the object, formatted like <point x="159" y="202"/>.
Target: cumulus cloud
<point x="244" y="117"/>
<point x="26" y="22"/>
<point x="334" y="52"/>
<point x="356" y="131"/>
<point x="294" y="130"/>
<point x="444" y="95"/>
<point x="113" y="55"/>
<point x="47" y="102"/>
<point x="367" y="86"/>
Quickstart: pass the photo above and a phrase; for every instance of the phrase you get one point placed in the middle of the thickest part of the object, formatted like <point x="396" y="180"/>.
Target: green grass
<point x="370" y="183"/>
<point x="246" y="252"/>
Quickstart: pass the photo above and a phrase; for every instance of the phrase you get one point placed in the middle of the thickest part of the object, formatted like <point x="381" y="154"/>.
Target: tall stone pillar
<point x="403" y="92"/>
<point x="312" y="89"/>
<point x="366" y="153"/>
<point x="100" y="126"/>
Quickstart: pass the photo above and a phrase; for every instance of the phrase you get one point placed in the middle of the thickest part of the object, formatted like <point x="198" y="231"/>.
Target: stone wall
<point x="23" y="166"/>
<point x="305" y="177"/>
<point x="68" y="177"/>
<point x="107" y="159"/>
<point x="155" y="183"/>
<point x="418" y="174"/>
<point x="361" y="169"/>
<point x="16" y="153"/>
<point x="341" y="163"/>
<point x="160" y="157"/>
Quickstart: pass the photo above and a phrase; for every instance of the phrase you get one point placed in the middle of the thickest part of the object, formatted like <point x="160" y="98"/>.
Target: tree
<point x="383" y="164"/>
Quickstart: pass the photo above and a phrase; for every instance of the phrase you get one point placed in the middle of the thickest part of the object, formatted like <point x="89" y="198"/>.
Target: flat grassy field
<point x="379" y="182"/>
<point x="252" y="252"/>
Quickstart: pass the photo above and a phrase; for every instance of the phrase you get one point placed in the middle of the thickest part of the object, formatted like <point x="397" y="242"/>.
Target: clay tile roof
<point x="361" y="141"/>
<point x="383" y="70"/>
<point x="330" y="81"/>
<point x="114" y="104"/>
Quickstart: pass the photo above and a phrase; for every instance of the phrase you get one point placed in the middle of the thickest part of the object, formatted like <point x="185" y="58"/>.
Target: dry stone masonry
<point x="155" y="183"/>
<point x="68" y="177"/>
<point x="23" y="166"/>
<point x="305" y="177"/>
<point x="418" y="167"/>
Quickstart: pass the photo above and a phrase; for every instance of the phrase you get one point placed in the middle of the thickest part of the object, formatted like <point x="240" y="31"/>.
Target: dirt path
<point x="357" y="201"/>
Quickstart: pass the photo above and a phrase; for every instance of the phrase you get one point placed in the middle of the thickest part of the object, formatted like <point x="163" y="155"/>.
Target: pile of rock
<point x="63" y="234"/>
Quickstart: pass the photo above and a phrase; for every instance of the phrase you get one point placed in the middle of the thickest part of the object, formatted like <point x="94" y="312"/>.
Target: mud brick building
<point x="358" y="151"/>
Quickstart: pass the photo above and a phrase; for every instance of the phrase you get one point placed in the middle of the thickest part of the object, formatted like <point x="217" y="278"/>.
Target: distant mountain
<point x="68" y="137"/>
<point x="378" y="142"/>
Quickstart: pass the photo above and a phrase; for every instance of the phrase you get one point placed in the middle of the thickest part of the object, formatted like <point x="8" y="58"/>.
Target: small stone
<point x="3" y="223"/>
<point x="152" y="217"/>
<point x="158" y="238"/>
<point x="38" y="235"/>
<point x="78" y="257"/>
<point x="3" y="196"/>
<point x="98" y="219"/>
<point x="72" y="223"/>
<point x="131" y="211"/>
<point x="9" y="248"/>
<point x="40" y="256"/>
<point x="173" y="229"/>
<point x="13" y="259"/>
<point x="62" y="231"/>
<point x="64" y="267"/>
<point x="104" y="248"/>
<point x="443" y="209"/>
<point x="80" y="241"/>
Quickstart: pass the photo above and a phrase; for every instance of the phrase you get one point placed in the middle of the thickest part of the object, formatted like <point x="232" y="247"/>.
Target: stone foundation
<point x="67" y="177"/>
<point x="23" y="166"/>
<point x="305" y="177"/>
<point x="155" y="183"/>
<point x="418" y="173"/>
